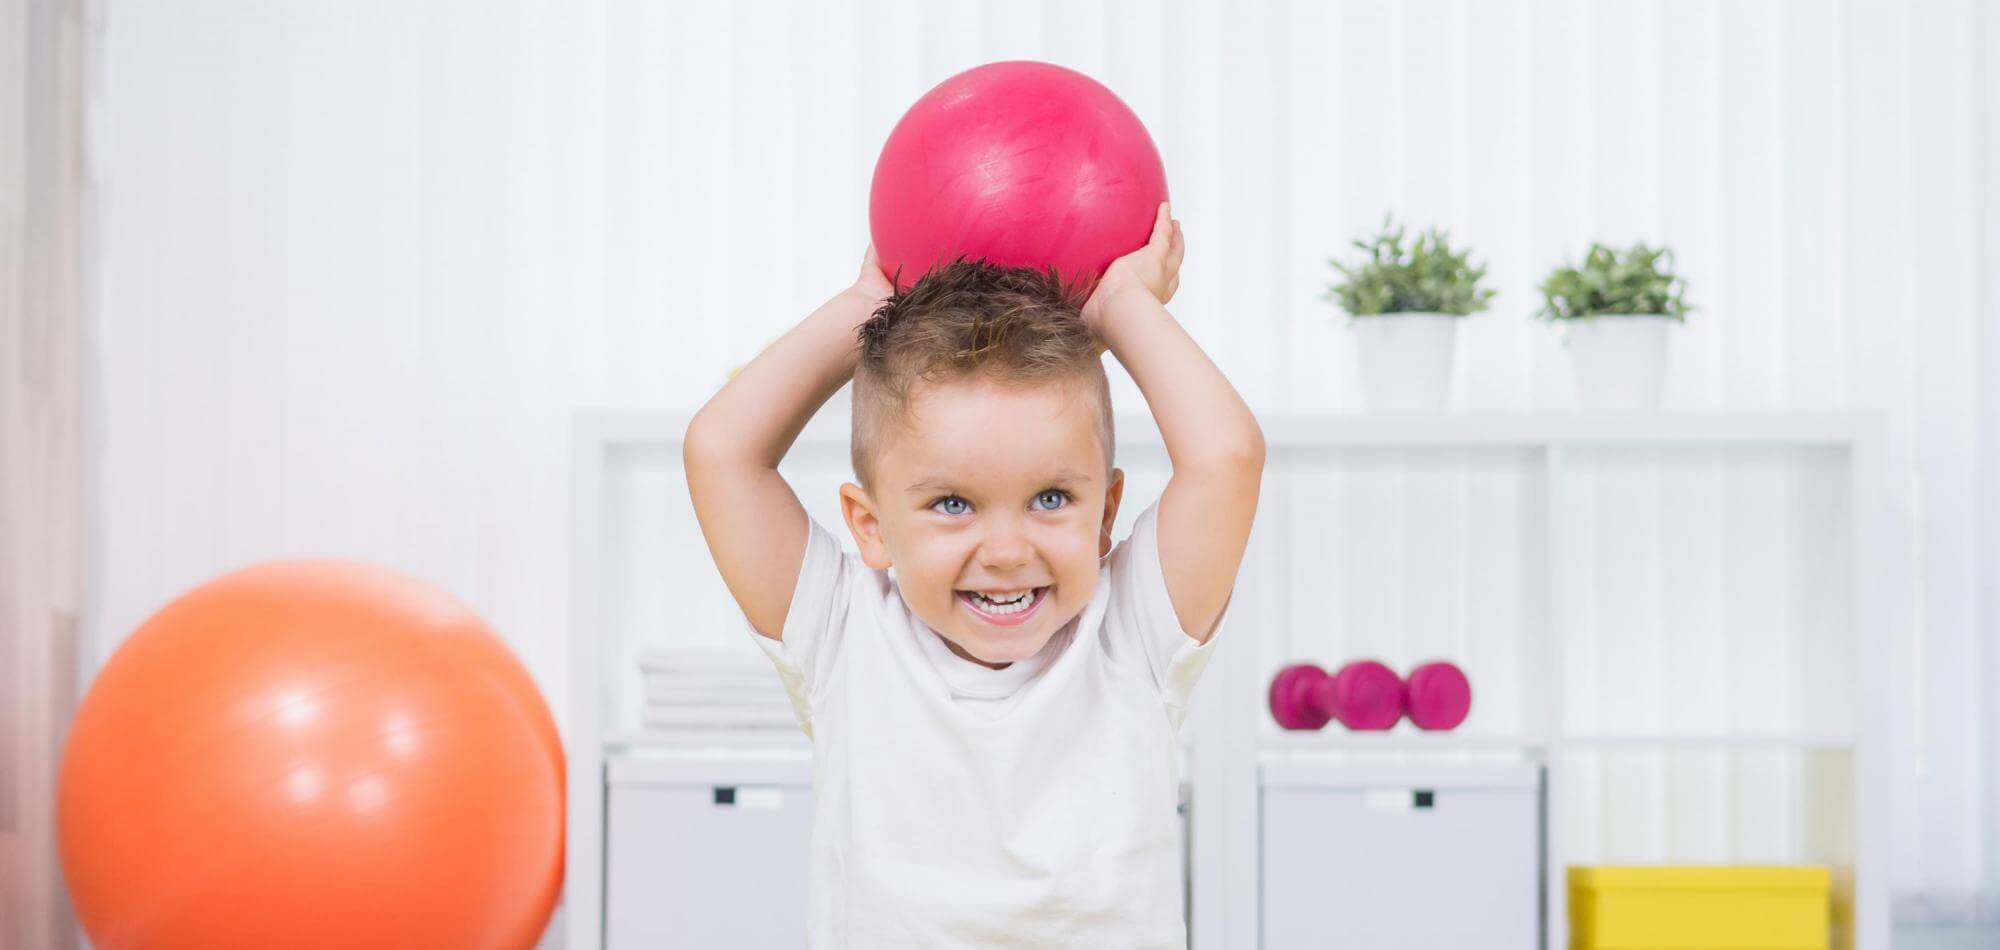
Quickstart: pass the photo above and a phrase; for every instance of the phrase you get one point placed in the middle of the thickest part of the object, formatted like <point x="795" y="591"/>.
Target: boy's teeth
<point x="1017" y="602"/>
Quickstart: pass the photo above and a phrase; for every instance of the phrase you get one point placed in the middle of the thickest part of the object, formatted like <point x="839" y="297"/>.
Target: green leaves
<point x="1637" y="282"/>
<point x="1427" y="278"/>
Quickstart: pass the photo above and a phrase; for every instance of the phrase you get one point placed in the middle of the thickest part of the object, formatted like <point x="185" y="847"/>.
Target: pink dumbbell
<point x="1437" y="696"/>
<point x="1363" y="695"/>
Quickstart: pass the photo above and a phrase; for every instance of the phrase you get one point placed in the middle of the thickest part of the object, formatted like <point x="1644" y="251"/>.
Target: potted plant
<point x="1617" y="310"/>
<point x="1403" y="306"/>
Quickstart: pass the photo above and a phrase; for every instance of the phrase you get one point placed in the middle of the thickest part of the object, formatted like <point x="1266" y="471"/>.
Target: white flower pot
<point x="1619" y="360"/>
<point x="1405" y="360"/>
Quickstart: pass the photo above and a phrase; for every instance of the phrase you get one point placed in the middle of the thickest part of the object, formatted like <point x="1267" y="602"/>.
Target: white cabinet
<point x="1389" y="857"/>
<point x="705" y="854"/>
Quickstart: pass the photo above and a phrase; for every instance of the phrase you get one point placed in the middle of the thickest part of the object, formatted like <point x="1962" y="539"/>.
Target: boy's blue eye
<point x="1050" y="500"/>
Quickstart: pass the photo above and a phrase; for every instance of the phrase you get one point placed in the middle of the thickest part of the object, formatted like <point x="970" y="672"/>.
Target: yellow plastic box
<point x="1672" y="907"/>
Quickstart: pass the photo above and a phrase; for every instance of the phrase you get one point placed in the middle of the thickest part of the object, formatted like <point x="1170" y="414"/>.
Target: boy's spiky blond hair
<point x="1014" y="325"/>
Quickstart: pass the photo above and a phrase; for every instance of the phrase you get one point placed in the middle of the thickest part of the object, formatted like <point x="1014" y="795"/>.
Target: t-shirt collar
<point x="969" y="680"/>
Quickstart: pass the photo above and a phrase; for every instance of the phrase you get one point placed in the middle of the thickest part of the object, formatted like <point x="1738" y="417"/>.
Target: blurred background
<point x="312" y="278"/>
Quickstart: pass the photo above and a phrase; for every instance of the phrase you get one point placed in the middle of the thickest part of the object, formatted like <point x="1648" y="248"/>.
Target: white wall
<point x="41" y="448"/>
<point x="358" y="263"/>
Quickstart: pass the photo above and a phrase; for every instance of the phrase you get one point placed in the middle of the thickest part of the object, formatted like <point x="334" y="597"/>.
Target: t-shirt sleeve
<point x="1144" y="612"/>
<point x="814" y="622"/>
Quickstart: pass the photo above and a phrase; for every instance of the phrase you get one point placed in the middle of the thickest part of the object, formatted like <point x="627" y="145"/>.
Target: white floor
<point x="1926" y="939"/>
<point x="1982" y="938"/>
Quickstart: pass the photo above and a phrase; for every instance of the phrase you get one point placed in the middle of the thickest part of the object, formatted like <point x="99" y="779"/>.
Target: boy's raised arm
<point x="1213" y="440"/>
<point x="754" y="524"/>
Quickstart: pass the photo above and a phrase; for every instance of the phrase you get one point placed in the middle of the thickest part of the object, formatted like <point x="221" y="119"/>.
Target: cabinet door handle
<point x="749" y="797"/>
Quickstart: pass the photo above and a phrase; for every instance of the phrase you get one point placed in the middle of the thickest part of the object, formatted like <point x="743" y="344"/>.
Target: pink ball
<point x="1438" y="696"/>
<point x="1021" y="163"/>
<point x="1365" y="696"/>
<point x="1292" y="697"/>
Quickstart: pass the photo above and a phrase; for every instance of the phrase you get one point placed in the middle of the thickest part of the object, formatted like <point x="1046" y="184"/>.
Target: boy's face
<point x="990" y="489"/>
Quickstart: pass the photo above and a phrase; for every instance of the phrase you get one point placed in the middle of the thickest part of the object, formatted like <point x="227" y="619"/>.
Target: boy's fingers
<point x="1163" y="223"/>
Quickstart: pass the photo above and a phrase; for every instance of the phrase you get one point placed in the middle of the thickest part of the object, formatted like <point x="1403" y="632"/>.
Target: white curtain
<point x="41" y="448"/>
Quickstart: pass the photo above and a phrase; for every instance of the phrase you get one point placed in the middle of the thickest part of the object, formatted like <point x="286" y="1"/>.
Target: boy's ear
<point x="859" y="511"/>
<point x="1112" y="496"/>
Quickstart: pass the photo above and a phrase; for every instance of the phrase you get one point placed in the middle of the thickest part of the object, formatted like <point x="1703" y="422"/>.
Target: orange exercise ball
<point x="312" y="753"/>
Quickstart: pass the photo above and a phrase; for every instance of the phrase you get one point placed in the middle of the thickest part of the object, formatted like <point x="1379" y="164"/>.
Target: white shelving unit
<point x="1550" y="701"/>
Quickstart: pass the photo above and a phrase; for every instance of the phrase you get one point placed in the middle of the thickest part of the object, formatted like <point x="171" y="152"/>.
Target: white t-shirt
<point x="962" y="806"/>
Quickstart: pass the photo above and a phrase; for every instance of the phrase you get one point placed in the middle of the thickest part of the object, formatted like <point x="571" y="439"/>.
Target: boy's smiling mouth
<point x="1004" y="608"/>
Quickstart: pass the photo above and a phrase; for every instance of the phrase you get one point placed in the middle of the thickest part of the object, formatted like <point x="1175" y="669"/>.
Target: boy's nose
<point x="1005" y="549"/>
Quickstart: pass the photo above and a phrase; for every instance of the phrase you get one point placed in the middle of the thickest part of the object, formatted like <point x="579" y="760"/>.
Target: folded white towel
<point x="734" y="691"/>
<point x="739" y="679"/>
<point x="749" y="719"/>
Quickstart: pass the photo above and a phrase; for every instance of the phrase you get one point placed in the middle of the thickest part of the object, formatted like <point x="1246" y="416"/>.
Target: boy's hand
<point x="752" y="520"/>
<point x="1154" y="269"/>
<point x="872" y="283"/>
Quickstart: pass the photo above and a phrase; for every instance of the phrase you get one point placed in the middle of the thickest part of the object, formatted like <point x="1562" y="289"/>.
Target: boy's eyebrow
<point x="1061" y="476"/>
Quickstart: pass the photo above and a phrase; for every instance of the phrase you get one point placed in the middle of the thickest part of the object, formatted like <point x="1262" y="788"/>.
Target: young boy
<point x="994" y="724"/>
